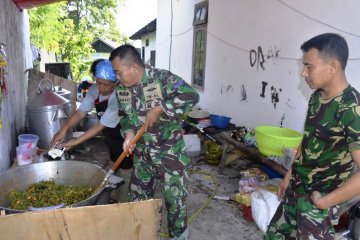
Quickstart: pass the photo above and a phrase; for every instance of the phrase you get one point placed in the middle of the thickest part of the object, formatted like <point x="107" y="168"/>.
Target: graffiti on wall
<point x="226" y="89"/>
<point x="274" y="93"/>
<point x="273" y="53"/>
<point x="243" y="94"/>
<point x="282" y="120"/>
<point x="264" y="84"/>
<point x="258" y="59"/>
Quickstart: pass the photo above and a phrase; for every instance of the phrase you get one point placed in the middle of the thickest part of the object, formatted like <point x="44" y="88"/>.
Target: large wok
<point x="63" y="172"/>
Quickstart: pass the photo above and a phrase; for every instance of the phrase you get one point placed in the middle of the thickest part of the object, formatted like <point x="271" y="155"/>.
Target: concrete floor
<point x="219" y="220"/>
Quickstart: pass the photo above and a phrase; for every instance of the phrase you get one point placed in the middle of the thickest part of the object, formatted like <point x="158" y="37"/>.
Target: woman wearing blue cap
<point x="101" y="96"/>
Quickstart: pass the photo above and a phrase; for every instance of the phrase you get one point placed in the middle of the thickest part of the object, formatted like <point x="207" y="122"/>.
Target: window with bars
<point x="199" y="45"/>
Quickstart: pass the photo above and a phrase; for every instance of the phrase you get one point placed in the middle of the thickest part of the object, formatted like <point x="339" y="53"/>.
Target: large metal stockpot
<point x="47" y="112"/>
<point x="74" y="173"/>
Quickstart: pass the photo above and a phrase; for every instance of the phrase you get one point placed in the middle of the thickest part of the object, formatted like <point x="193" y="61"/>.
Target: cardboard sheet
<point x="126" y="221"/>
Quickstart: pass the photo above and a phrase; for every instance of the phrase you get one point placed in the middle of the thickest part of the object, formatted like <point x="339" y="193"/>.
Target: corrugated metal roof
<point x="26" y="4"/>
<point x="150" y="27"/>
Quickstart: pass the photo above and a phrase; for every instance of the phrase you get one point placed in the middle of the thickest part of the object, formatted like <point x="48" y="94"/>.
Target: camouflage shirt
<point x="332" y="132"/>
<point x="157" y="87"/>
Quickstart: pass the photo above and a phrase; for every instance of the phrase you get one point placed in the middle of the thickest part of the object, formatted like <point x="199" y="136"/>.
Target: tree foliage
<point x="68" y="28"/>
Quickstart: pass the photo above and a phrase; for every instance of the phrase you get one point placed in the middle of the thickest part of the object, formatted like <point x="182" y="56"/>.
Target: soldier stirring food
<point x="158" y="99"/>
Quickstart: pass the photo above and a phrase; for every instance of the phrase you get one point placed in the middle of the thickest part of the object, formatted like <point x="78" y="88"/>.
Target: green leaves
<point x="45" y="25"/>
<point x="68" y="28"/>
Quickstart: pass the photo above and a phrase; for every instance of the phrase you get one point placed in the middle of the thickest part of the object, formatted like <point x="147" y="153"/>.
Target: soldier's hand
<point x="281" y="189"/>
<point x="129" y="136"/>
<point x="316" y="198"/>
<point x="152" y="116"/>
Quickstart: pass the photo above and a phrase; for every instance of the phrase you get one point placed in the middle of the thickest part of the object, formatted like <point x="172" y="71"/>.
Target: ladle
<point x="116" y="164"/>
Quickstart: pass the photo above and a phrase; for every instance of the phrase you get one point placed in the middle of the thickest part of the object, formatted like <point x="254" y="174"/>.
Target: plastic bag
<point x="264" y="205"/>
<point x="192" y="145"/>
<point x="248" y="184"/>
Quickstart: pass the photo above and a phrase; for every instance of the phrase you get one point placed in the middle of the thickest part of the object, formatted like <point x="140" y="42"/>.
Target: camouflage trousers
<point x="170" y="171"/>
<point x="297" y="218"/>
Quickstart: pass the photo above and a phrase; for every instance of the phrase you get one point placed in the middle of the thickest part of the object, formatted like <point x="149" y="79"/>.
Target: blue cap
<point x="104" y="70"/>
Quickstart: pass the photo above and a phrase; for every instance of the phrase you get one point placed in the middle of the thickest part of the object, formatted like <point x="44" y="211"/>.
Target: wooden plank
<point x="254" y="154"/>
<point x="126" y="221"/>
<point x="234" y="155"/>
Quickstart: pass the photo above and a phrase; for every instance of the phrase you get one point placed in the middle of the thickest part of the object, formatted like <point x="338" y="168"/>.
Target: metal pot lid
<point x="47" y="99"/>
<point x="199" y="114"/>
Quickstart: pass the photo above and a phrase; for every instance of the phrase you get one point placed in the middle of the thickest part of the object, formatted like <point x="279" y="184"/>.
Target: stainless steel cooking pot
<point x="47" y="113"/>
<point x="198" y="115"/>
<point x="74" y="173"/>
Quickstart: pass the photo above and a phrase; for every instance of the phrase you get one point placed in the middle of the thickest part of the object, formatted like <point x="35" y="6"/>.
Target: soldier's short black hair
<point x="128" y="53"/>
<point x="329" y="45"/>
<point x="93" y="66"/>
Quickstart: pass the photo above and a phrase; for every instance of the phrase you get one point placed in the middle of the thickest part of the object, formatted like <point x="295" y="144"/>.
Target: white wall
<point x="235" y="27"/>
<point x="15" y="34"/>
<point x="182" y="40"/>
<point x="152" y="45"/>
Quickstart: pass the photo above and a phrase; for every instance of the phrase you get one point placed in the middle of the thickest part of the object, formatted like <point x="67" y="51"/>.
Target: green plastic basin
<point x="271" y="140"/>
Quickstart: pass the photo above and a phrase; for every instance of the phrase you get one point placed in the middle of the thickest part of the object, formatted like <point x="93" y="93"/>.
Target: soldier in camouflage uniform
<point x="320" y="181"/>
<point x="157" y="99"/>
